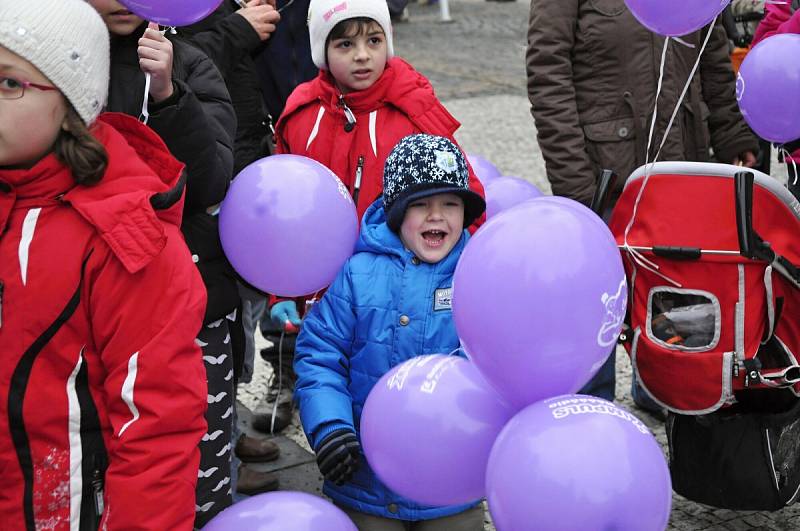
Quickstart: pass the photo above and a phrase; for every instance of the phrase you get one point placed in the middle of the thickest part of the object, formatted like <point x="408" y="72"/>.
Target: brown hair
<point x="352" y="27"/>
<point x="81" y="152"/>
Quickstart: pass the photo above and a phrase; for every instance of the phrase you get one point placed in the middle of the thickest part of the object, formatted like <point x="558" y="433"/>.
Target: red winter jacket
<point x="102" y="388"/>
<point x="402" y="102"/>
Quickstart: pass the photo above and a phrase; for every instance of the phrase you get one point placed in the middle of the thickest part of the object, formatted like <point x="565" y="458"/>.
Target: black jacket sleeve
<point x="199" y="126"/>
<point x="227" y="42"/>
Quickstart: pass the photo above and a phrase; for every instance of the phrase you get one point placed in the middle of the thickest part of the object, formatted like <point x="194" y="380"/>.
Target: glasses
<point x="14" y="89"/>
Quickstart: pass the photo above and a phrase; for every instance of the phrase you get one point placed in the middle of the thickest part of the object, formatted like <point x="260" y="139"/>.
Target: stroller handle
<point x="751" y="245"/>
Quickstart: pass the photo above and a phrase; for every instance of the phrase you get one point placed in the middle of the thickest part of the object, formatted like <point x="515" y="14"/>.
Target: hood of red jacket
<point x="400" y="85"/>
<point x="141" y="190"/>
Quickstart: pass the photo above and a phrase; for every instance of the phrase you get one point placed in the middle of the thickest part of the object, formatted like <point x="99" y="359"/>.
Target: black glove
<point x="337" y="456"/>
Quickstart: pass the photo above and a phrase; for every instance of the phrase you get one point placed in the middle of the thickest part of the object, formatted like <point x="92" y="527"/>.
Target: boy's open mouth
<point x="434" y="238"/>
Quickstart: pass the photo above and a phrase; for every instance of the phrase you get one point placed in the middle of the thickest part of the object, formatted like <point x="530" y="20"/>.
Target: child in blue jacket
<point x="390" y="303"/>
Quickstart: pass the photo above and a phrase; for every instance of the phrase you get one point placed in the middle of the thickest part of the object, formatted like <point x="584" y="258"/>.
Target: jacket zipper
<point x="2" y="286"/>
<point x="359" y="174"/>
<point x="348" y="114"/>
<point x="97" y="489"/>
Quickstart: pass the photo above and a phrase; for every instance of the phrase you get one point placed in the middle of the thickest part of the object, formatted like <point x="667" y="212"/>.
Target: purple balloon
<point x="577" y="462"/>
<point x="287" y="225"/>
<point x="503" y="193"/>
<point x="282" y="511"/>
<point x="539" y="297"/>
<point x="172" y="12"/>
<point x="428" y="426"/>
<point x="675" y="17"/>
<point x="484" y="170"/>
<point x="767" y="88"/>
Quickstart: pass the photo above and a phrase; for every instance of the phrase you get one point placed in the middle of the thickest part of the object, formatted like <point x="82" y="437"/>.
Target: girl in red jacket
<point x="102" y="388"/>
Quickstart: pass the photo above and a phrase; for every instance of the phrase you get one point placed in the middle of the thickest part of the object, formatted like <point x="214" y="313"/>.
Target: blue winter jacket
<point x="381" y="310"/>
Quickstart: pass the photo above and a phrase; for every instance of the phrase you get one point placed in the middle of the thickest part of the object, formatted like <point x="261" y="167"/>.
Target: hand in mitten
<point x="285" y="312"/>
<point x="337" y="456"/>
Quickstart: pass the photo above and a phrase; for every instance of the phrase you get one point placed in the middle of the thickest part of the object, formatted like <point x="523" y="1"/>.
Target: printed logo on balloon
<point x="615" y="315"/>
<point x="740" y="85"/>
<point x="582" y="406"/>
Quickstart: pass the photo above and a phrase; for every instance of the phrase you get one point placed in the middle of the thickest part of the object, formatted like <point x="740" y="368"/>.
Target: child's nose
<point x="362" y="52"/>
<point x="435" y="212"/>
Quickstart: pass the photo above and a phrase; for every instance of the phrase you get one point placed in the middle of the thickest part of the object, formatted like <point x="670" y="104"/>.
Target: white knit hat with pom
<point x="67" y="41"/>
<point x="323" y="15"/>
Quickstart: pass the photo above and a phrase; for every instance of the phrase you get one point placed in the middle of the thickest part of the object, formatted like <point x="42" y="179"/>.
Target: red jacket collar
<point x="400" y="86"/>
<point x="140" y="166"/>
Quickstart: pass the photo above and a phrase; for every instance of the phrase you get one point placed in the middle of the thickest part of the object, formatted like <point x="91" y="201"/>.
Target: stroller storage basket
<point x="737" y="458"/>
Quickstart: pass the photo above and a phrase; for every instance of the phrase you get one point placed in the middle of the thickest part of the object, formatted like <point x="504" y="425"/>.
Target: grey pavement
<point x="476" y="64"/>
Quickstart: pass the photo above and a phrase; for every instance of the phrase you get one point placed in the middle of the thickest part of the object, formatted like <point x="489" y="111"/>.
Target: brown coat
<point x="592" y="77"/>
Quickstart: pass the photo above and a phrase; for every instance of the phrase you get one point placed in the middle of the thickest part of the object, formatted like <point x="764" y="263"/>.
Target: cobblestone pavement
<point x="476" y="64"/>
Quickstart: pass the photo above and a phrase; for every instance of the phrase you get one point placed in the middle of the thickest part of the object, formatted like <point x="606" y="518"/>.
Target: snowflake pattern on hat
<point x="423" y="161"/>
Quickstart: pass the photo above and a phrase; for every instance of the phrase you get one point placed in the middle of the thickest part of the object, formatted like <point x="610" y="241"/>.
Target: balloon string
<point x="145" y="116"/>
<point x="280" y="384"/>
<point x="787" y="159"/>
<point x="637" y="256"/>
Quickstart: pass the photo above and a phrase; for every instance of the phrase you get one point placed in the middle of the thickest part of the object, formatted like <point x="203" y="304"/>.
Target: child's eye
<point x="375" y="40"/>
<point x="9" y="84"/>
<point x="343" y="44"/>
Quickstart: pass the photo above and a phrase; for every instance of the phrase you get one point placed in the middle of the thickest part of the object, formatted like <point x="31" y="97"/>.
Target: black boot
<point x="281" y="388"/>
<point x="274" y="413"/>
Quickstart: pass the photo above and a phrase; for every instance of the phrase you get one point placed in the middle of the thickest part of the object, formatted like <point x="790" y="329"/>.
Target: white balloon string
<point x="145" y="116"/>
<point x="788" y="159"/>
<point x="637" y="256"/>
<point x="681" y="41"/>
<point x="686" y="88"/>
<point x="280" y="384"/>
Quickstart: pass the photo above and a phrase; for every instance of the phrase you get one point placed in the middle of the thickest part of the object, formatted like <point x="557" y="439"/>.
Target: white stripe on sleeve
<point x="127" y="391"/>
<point x="28" y="228"/>
<point x="314" y="131"/>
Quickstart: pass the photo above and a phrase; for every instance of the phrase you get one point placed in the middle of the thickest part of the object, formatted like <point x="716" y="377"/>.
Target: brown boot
<point x="256" y="450"/>
<point x="252" y="482"/>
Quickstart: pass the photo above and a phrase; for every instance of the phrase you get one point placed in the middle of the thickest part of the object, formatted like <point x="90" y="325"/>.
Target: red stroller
<point x="714" y="332"/>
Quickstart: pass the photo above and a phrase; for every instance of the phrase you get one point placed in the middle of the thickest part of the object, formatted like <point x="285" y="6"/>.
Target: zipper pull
<point x="348" y="114"/>
<point x="359" y="174"/>
<point x="97" y="488"/>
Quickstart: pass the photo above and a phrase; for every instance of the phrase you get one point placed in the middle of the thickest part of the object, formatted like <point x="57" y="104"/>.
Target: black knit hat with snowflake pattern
<point x="421" y="166"/>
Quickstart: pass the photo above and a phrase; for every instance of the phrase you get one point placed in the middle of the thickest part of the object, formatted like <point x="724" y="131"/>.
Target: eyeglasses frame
<point x="26" y="85"/>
